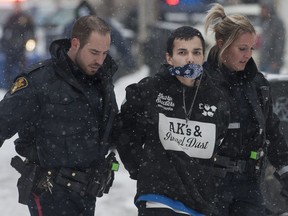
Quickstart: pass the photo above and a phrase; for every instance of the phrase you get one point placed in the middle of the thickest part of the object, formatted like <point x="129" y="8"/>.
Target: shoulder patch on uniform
<point x="20" y="83"/>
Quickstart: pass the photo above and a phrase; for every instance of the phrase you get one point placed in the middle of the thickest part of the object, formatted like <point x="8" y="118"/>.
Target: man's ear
<point x="168" y="59"/>
<point x="220" y="43"/>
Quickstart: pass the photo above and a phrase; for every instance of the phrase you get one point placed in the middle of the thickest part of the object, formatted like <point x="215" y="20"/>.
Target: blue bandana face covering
<point x="191" y="71"/>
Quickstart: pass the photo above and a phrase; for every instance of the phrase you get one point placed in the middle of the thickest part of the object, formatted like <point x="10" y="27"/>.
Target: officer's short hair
<point x="85" y="25"/>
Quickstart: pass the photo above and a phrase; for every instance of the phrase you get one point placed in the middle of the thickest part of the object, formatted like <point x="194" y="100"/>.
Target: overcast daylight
<point x="139" y="31"/>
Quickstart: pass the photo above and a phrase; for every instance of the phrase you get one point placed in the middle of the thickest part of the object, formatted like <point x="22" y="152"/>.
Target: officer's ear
<point x="75" y="43"/>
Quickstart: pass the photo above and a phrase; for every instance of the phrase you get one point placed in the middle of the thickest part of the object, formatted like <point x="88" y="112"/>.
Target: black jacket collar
<point x="58" y="50"/>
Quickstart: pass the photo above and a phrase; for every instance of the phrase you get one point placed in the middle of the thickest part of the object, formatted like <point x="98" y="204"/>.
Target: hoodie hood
<point x="59" y="47"/>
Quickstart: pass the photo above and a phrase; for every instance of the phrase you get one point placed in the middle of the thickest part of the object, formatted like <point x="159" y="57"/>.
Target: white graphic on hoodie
<point x="196" y="139"/>
<point x="207" y="109"/>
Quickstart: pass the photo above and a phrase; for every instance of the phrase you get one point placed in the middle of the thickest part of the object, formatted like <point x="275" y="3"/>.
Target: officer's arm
<point x="19" y="106"/>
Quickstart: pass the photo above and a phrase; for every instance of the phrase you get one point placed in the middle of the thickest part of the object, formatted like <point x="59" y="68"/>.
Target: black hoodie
<point x="165" y="153"/>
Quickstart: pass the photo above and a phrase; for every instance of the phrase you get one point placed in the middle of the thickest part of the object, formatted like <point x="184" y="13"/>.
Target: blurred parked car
<point x="184" y="11"/>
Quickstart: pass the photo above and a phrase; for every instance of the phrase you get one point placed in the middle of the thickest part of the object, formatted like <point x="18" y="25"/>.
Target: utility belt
<point x="89" y="182"/>
<point x="250" y="167"/>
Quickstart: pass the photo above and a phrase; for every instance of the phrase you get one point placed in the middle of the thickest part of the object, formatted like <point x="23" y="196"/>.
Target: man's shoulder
<point x="42" y="70"/>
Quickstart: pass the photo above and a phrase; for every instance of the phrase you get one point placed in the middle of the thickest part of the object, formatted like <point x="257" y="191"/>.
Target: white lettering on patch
<point x="196" y="139"/>
<point x="165" y="102"/>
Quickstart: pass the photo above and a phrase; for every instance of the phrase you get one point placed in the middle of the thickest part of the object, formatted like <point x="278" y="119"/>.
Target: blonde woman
<point x="254" y="129"/>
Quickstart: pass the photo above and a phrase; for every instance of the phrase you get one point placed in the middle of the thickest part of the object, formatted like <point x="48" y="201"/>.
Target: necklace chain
<point x="187" y="115"/>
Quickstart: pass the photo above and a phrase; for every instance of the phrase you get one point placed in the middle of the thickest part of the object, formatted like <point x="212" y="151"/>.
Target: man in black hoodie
<point x="66" y="105"/>
<point x="172" y="125"/>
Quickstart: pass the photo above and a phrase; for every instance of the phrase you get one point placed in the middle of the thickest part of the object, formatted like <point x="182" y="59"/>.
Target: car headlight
<point x="30" y="45"/>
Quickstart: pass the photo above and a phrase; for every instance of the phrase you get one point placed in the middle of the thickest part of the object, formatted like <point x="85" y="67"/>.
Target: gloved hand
<point x="283" y="179"/>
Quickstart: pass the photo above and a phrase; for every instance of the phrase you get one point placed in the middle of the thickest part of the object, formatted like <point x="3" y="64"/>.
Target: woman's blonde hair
<point x="226" y="28"/>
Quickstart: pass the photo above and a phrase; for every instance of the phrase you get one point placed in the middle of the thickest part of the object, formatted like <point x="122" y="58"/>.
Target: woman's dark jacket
<point x="158" y="168"/>
<point x="252" y="119"/>
<point x="68" y="114"/>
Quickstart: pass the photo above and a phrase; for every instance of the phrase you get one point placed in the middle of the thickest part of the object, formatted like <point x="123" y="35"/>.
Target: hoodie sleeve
<point x="132" y="131"/>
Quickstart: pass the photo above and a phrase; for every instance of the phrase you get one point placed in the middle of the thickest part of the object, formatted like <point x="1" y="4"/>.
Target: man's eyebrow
<point x="185" y="49"/>
<point x="181" y="49"/>
<point x="95" y="50"/>
<point x="199" y="48"/>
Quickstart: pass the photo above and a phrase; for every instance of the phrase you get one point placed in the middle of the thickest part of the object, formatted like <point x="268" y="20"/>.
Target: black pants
<point x="143" y="211"/>
<point x="239" y="195"/>
<point x="61" y="202"/>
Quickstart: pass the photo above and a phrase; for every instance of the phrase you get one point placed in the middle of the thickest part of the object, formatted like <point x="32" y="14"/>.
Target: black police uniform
<point x="253" y="125"/>
<point x="71" y="115"/>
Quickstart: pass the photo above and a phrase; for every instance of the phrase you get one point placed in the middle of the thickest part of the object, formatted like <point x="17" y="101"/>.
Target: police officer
<point x="253" y="130"/>
<point x="66" y="106"/>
